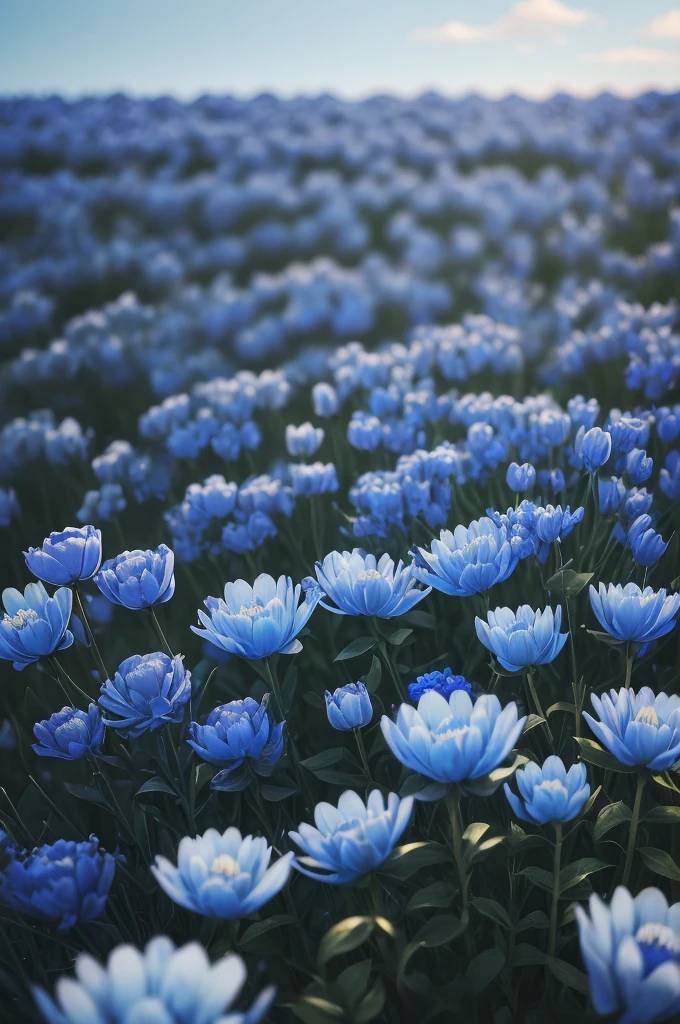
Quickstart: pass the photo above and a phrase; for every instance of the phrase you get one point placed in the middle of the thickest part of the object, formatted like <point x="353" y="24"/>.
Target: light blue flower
<point x="360" y="585"/>
<point x="159" y="985"/>
<point x="638" y="728"/>
<point x="236" y="732"/>
<point x="224" y="876"/>
<point x="66" y="557"/>
<point x="138" y="579"/>
<point x="522" y="638"/>
<point x="454" y="740"/>
<point x="303" y="440"/>
<point x="631" y="950"/>
<point x="629" y="613"/>
<point x="550" y="792"/>
<point x="69" y="733"/>
<point x="148" y="692"/>
<point x="349" y="707"/>
<point x="35" y="624"/>
<point x="468" y="561"/>
<point x="257" y="621"/>
<point x="352" y="839"/>
<point x="520" y="478"/>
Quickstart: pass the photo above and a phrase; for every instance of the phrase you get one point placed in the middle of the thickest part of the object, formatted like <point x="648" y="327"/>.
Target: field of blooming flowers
<point x="343" y="686"/>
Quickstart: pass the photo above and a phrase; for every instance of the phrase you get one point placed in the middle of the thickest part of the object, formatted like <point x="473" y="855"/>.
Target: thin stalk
<point x="537" y="704"/>
<point x="453" y="807"/>
<point x="99" y="661"/>
<point x="362" y="754"/>
<point x="159" y="632"/>
<point x="557" y="860"/>
<point x="634" y="821"/>
<point x="574" y="673"/>
<point x="75" y="686"/>
<point x="630" y="658"/>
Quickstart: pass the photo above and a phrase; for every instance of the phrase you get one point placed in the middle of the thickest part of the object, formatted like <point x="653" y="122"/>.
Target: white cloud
<point x="665" y="26"/>
<point x="525" y="19"/>
<point x="632" y="55"/>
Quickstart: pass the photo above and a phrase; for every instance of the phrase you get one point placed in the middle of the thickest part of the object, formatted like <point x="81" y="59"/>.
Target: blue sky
<point x="352" y="48"/>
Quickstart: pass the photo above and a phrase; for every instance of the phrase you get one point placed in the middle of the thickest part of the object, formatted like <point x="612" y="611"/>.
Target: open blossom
<point x="35" y="624"/>
<point x="549" y="792"/>
<point x="69" y="556"/>
<point x="522" y="638"/>
<point x="629" y="613"/>
<point x="138" y="579"/>
<point x="468" y="561"/>
<point x="360" y="584"/>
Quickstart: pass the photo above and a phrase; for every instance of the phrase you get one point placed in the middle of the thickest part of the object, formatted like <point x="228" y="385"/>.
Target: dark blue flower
<point x="639" y="466"/>
<point x="69" y="733"/>
<point x="148" y="692"/>
<point x="349" y="707"/>
<point x="520" y="478"/>
<point x="236" y="732"/>
<point x="138" y="579"/>
<point x="592" y="448"/>
<point x="66" y="557"/>
<point x="444" y="682"/>
<point x="646" y="544"/>
<point x="63" y="882"/>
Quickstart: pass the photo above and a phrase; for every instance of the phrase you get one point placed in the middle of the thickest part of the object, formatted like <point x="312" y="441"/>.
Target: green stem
<point x="98" y="660"/>
<point x="574" y="673"/>
<point x="75" y="686"/>
<point x="362" y="754"/>
<point x="634" y="821"/>
<point x="630" y="658"/>
<point x="159" y="632"/>
<point x="552" y="941"/>
<point x="537" y="705"/>
<point x="453" y="807"/>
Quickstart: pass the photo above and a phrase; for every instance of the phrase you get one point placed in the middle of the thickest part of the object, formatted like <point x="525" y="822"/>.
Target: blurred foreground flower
<point x="138" y="579"/>
<point x="66" y="557"/>
<point x="35" y="624"/>
<point x="148" y="692"/>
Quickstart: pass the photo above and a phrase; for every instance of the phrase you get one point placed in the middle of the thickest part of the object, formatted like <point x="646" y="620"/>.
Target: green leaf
<point x="535" y="919"/>
<point x="595" y="754"/>
<point x="351" y="983"/>
<point x="275" y="793"/>
<point x="439" y="930"/>
<point x="561" y="705"/>
<point x="474" y="832"/>
<point x="156" y="785"/>
<point x="315" y="700"/>
<point x="371" y="1005"/>
<point x="526" y="955"/>
<point x="344" y="937"/>
<point x="488" y="784"/>
<point x="422" y="619"/>
<point x="660" y="862"/>
<point x="374" y="675"/>
<point x="569" y="975"/>
<point x="493" y="910"/>
<point x="575" y="873"/>
<point x="483" y="969"/>
<point x="422" y="788"/>
<point x="89" y="793"/>
<point x="611" y="816"/>
<point x="357" y="647"/>
<point x="532" y="721"/>
<point x="397" y="638"/>
<point x="406" y="860"/>
<point x="340" y="778"/>
<point x="325" y="759"/>
<point x="665" y="780"/>
<point x="605" y="638"/>
<point x="538" y="876"/>
<point x="568" y="582"/>
<point x="262" y="927"/>
<point x="439" y="894"/>
<point x="664" y="815"/>
<point x="316" y="1010"/>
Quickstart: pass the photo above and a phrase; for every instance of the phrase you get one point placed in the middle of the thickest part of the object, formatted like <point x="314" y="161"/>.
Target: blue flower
<point x="222" y="876"/>
<point x="468" y="561"/>
<point x="314" y="479"/>
<point x="63" y="882"/>
<point x="611" y="494"/>
<point x="454" y="740"/>
<point x="443" y="682"/>
<point x="520" y="478"/>
<point x="325" y="400"/>
<point x="349" y="707"/>
<point x="522" y="638"/>
<point x="138" y="579"/>
<point x="257" y="621"/>
<point x="148" y="692"/>
<point x="592" y="448"/>
<point x="552" y="479"/>
<point x="639" y="466"/>
<point x="303" y="440"/>
<point x="669" y="477"/>
<point x="628" y="432"/>
<point x="549" y="793"/>
<point x="360" y="585"/>
<point x="69" y="733"/>
<point x="631" y="950"/>
<point x="629" y="613"/>
<point x="237" y="732"/>
<point x="352" y="839"/>
<point x="553" y="522"/>
<point x="646" y="544"/>
<point x="34" y="624"/>
<point x="159" y="985"/>
<point x="74" y="554"/>
<point x="638" y="728"/>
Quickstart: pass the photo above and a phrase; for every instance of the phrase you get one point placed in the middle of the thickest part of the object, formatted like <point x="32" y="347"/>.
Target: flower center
<point x="658" y="943"/>
<point x="554" y="785"/>
<point x="369" y="574"/>
<point x="647" y="715"/>
<point x="453" y="732"/>
<point x="22" y="618"/>
<point x="254" y="610"/>
<point x="225" y="865"/>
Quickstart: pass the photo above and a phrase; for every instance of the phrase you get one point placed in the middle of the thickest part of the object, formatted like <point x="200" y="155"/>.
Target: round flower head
<point x="34" y="624"/>
<point x="66" y="557"/>
<point x="631" y="950"/>
<point x="468" y="561"/>
<point x="159" y="985"/>
<point x="360" y="585"/>
<point x="148" y="692"/>
<point x="237" y="732"/>
<point x="138" y="579"/>
<point x="223" y="876"/>
<point x="454" y="740"/>
<point x="522" y="638"/>
<point x="443" y="682"/>
<point x="349" y="707"/>
<point x="353" y="838"/>
<point x="549" y="793"/>
<point x="638" y="728"/>
<point x="592" y="448"/>
<point x="62" y="882"/>
<point x="303" y="440"/>
<point x="629" y="613"/>
<point x="69" y="733"/>
<point x="257" y="621"/>
<point x="646" y="544"/>
<point x="520" y="478"/>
